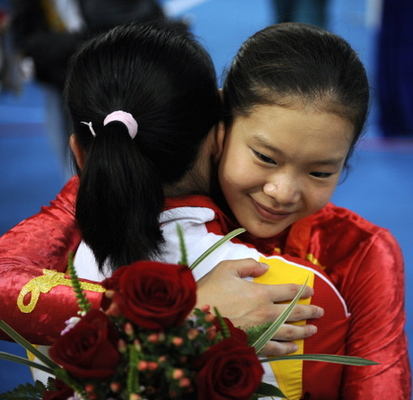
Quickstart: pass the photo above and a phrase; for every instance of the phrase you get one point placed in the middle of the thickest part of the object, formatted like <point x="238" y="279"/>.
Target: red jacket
<point x="204" y="224"/>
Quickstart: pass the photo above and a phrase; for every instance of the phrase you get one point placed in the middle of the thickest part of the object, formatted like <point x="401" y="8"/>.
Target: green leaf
<point x="331" y="358"/>
<point x="265" y="390"/>
<point x="27" y="345"/>
<point x="24" y="361"/>
<point x="182" y="247"/>
<point x="219" y="243"/>
<point x="26" y="391"/>
<point x="254" y="332"/>
<point x="269" y="332"/>
<point x="222" y="324"/>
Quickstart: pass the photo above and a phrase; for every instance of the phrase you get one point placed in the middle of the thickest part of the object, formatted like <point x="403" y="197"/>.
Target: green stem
<point x="220" y="242"/>
<point x="331" y="358"/>
<point x="273" y="328"/>
<point x="82" y="300"/>
<point x="182" y="247"/>
<point x="133" y="376"/>
<point x="27" y="345"/>
<point x="224" y="327"/>
<point x="25" y="361"/>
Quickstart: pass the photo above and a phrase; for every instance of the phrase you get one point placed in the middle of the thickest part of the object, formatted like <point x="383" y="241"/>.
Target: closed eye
<point x="263" y="157"/>
<point x="321" y="175"/>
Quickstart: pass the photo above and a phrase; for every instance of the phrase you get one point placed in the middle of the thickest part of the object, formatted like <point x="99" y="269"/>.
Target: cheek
<point x="234" y="173"/>
<point x="234" y="179"/>
<point x="239" y="172"/>
<point x="318" y="197"/>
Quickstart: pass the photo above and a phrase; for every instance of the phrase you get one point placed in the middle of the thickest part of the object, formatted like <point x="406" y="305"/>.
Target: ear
<point x="77" y="150"/>
<point x="218" y="139"/>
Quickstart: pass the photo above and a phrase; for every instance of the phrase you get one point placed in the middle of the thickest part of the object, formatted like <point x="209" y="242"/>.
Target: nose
<point x="283" y="189"/>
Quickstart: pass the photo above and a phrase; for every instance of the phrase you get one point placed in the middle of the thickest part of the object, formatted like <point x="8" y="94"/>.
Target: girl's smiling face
<point x="281" y="164"/>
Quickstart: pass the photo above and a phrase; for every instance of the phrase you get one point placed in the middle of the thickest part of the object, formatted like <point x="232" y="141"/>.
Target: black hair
<point x="166" y="80"/>
<point x="291" y="61"/>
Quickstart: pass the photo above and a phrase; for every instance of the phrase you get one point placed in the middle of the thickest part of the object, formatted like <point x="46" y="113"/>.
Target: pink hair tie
<point x="126" y="119"/>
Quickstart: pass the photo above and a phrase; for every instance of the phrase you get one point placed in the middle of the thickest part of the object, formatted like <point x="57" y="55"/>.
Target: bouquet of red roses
<point x="148" y="342"/>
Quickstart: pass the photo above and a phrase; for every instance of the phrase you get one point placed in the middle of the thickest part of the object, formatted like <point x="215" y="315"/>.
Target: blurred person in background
<point x="4" y="23"/>
<point x="312" y="12"/>
<point x="48" y="32"/>
<point x="395" y="69"/>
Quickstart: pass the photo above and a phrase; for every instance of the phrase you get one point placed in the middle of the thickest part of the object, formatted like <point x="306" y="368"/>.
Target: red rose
<point x="89" y="349"/>
<point x="228" y="370"/>
<point x="62" y="392"/>
<point x="154" y="295"/>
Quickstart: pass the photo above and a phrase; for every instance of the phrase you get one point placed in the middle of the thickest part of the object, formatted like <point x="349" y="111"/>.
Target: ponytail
<point x="119" y="199"/>
<point x="163" y="85"/>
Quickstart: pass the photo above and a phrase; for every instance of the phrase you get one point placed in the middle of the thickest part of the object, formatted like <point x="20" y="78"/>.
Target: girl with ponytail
<point x="138" y="127"/>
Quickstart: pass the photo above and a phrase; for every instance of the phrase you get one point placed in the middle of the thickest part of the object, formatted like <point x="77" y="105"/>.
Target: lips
<point x="269" y="213"/>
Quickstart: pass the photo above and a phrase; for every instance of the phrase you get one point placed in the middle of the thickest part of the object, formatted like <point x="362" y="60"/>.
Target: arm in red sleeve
<point x="374" y="290"/>
<point x="34" y="300"/>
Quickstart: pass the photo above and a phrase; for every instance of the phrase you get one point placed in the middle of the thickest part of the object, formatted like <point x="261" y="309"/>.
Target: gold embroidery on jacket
<point x="310" y="257"/>
<point x="43" y="284"/>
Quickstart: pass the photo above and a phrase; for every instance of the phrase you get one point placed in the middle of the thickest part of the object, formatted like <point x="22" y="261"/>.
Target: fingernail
<point x="312" y="329"/>
<point x="293" y="348"/>
<point x="320" y="311"/>
<point x="264" y="265"/>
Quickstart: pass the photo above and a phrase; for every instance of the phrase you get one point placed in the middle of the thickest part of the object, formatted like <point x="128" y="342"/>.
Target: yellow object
<point x="288" y="372"/>
<point x="43" y="284"/>
<point x="310" y="257"/>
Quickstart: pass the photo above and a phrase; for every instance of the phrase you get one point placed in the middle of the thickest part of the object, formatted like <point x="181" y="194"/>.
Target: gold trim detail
<point x="43" y="284"/>
<point x="310" y="257"/>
